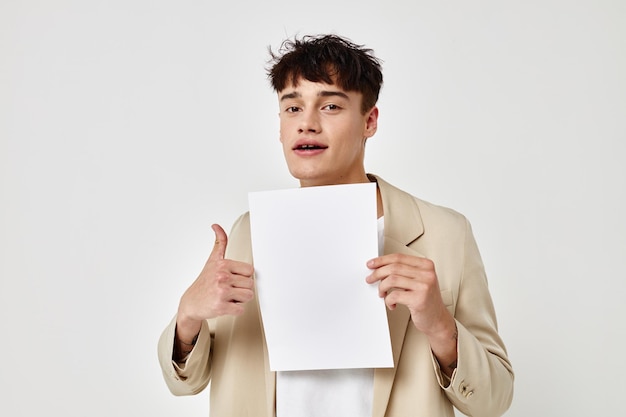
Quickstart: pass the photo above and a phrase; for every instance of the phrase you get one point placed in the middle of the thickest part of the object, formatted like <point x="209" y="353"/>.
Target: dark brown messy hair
<point x="330" y="59"/>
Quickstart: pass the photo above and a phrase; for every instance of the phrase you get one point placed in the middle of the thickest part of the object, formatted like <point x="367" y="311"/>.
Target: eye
<point x="292" y="109"/>
<point x="331" y="107"/>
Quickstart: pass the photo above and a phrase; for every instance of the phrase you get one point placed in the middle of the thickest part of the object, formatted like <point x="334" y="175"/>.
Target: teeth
<point x="309" y="147"/>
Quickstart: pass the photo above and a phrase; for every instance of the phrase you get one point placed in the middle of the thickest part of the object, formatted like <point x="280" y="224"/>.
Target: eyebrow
<point x="323" y="93"/>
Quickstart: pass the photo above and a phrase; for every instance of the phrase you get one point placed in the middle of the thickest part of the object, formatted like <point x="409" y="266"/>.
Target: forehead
<point x="303" y="87"/>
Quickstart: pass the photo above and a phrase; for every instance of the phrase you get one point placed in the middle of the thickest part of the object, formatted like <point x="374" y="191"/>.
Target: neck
<point x="363" y="179"/>
<point x="379" y="203"/>
<point x="318" y="182"/>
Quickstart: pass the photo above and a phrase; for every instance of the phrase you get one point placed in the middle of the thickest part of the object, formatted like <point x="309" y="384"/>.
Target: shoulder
<point x="400" y="201"/>
<point x="438" y="213"/>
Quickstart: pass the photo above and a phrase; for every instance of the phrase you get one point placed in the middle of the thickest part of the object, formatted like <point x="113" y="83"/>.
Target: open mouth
<point x="309" y="147"/>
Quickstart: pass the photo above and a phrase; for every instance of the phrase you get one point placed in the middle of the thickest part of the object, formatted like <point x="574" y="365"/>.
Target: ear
<point x="371" y="122"/>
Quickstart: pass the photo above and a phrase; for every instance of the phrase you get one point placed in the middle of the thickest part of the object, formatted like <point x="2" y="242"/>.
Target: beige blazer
<point x="231" y="351"/>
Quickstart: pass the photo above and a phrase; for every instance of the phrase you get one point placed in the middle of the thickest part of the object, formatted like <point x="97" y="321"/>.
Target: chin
<point x="303" y="173"/>
<point x="307" y="177"/>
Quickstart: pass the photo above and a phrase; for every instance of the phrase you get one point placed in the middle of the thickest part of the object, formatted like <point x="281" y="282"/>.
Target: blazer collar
<point x="403" y="222"/>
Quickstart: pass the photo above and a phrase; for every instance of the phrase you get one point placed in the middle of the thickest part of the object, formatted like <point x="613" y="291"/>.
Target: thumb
<point x="221" y="240"/>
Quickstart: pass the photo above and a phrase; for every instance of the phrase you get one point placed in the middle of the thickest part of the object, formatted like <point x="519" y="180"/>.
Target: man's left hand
<point x="412" y="281"/>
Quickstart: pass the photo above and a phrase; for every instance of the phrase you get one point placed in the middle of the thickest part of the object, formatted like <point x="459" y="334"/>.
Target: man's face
<point x="323" y="133"/>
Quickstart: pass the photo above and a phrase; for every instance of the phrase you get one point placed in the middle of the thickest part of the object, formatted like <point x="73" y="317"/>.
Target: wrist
<point x="187" y="329"/>
<point x="185" y="339"/>
<point x="187" y="345"/>
<point x="445" y="333"/>
<point x="443" y="343"/>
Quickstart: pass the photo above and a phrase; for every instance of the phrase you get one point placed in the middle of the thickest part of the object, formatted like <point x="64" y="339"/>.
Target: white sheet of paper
<point x="310" y="246"/>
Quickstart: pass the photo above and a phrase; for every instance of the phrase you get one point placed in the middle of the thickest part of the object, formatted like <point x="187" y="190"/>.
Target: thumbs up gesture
<point x="222" y="287"/>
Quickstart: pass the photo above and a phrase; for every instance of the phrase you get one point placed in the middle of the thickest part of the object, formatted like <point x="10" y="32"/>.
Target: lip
<point x="310" y="142"/>
<point x="318" y="148"/>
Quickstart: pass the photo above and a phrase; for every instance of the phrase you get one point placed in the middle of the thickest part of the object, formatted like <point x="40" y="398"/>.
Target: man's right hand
<point x="222" y="288"/>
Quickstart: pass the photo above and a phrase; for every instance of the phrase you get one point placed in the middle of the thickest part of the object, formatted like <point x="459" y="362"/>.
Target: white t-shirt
<point x="327" y="393"/>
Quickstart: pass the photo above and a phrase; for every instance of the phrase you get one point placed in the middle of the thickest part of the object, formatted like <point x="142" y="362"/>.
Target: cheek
<point x="283" y="131"/>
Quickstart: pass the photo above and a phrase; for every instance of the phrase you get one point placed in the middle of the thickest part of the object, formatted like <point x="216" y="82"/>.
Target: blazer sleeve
<point x="192" y="376"/>
<point x="482" y="384"/>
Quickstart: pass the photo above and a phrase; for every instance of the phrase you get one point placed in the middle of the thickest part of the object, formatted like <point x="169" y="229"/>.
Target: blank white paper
<point x="310" y="248"/>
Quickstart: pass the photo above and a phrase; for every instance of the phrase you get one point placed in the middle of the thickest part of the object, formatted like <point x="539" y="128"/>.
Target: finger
<point x="397" y="258"/>
<point x="397" y="282"/>
<point x="242" y="282"/>
<point x="371" y="278"/>
<point x="241" y="268"/>
<point x="392" y="270"/>
<point x="240" y="296"/>
<point x="391" y="302"/>
<point x="221" y="240"/>
<point x="381" y="261"/>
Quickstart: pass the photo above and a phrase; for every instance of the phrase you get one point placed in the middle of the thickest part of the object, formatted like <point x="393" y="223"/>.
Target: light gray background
<point x="128" y="127"/>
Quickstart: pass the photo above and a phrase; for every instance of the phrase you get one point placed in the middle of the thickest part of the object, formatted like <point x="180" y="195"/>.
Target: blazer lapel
<point x="403" y="225"/>
<point x="259" y="372"/>
<point x="270" y="377"/>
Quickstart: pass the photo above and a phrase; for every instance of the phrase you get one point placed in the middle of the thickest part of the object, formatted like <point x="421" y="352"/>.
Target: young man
<point x="442" y="323"/>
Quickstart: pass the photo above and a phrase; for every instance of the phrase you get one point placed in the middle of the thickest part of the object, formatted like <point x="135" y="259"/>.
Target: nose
<point x="309" y="122"/>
